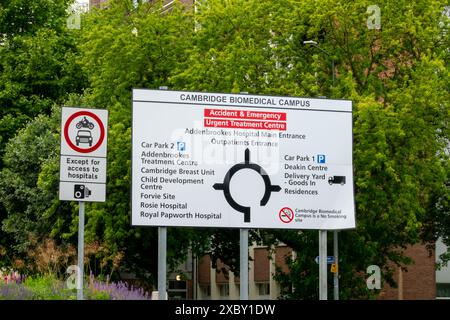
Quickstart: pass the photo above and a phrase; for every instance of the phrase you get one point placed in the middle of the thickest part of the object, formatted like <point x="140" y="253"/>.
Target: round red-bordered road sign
<point x="100" y="125"/>
<point x="286" y="215"/>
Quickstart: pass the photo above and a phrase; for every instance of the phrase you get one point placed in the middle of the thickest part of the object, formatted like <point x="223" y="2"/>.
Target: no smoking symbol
<point x="286" y="215"/>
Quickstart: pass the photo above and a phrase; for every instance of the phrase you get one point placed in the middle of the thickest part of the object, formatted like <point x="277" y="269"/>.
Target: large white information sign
<point x="83" y="154"/>
<point x="244" y="161"/>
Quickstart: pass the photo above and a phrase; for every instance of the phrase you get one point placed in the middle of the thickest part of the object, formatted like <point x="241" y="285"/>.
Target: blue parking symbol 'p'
<point x="181" y="146"/>
<point x="320" y="158"/>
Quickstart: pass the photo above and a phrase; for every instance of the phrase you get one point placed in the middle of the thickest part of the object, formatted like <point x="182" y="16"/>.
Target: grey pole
<point x="80" y="280"/>
<point x="336" y="261"/>
<point x="315" y="44"/>
<point x="243" y="267"/>
<point x="162" y="268"/>
<point x="323" y="294"/>
<point x="162" y="254"/>
<point x="243" y="234"/>
<point x="194" y="277"/>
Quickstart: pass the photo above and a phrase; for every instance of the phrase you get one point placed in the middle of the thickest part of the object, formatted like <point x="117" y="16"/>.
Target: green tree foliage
<point x="37" y="61"/>
<point x="27" y="198"/>
<point x="37" y="68"/>
<point x="28" y="16"/>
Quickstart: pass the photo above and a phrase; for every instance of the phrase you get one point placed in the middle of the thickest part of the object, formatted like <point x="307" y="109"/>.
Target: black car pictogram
<point x="83" y="136"/>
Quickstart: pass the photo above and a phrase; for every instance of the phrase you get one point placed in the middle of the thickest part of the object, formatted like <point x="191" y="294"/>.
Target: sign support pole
<point x="243" y="233"/>
<point x="162" y="258"/>
<point x="336" y="261"/>
<point x="323" y="294"/>
<point x="80" y="279"/>
<point x="162" y="254"/>
<point x="194" y="276"/>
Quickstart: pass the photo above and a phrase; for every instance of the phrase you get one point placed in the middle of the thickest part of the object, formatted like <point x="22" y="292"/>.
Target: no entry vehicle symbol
<point x="84" y="131"/>
<point x="286" y="215"/>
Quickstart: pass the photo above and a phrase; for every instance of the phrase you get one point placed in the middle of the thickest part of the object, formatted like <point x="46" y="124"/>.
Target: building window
<point x="205" y="291"/>
<point x="224" y="290"/>
<point x="443" y="290"/>
<point x="263" y="290"/>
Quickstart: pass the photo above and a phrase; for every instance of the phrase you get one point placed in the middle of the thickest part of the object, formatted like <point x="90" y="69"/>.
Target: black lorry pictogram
<point x="336" y="180"/>
<point x="225" y="186"/>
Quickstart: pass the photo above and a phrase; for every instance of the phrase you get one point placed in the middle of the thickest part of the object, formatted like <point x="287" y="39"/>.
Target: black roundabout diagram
<point x="225" y="186"/>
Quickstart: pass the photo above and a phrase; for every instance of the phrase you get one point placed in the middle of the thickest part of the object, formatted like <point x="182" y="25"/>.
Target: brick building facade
<point x="219" y="285"/>
<point x="417" y="281"/>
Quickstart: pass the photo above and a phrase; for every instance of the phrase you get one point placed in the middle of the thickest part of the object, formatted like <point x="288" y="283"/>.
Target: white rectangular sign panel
<point x="84" y="191"/>
<point x="244" y="161"/>
<point x="83" y="154"/>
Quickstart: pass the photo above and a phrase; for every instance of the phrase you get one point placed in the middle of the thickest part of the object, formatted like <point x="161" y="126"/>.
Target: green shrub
<point x="48" y="288"/>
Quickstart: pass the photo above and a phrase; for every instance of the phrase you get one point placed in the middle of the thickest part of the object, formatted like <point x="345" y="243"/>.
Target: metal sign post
<point x="336" y="261"/>
<point x="243" y="234"/>
<point x="323" y="294"/>
<point x="162" y="258"/>
<point x="162" y="254"/>
<point x="80" y="280"/>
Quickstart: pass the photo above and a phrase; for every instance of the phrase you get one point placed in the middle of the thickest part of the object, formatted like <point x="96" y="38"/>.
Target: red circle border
<point x="281" y="210"/>
<point x="96" y="118"/>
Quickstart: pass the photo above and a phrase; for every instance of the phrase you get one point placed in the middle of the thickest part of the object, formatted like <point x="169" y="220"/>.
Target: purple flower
<point x="15" y="291"/>
<point x="118" y="290"/>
